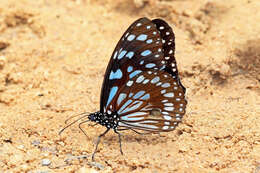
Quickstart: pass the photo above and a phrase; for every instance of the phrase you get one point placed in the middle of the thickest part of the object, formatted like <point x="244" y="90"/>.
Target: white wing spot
<point x="146" y="81"/>
<point x="155" y="80"/>
<point x="169" y="108"/>
<point x="138" y="24"/>
<point x="129" y="83"/>
<point x="168" y="95"/>
<point x="161" y="27"/>
<point x="166" y="85"/>
<point x="163" y="91"/>
<point x="167" y="117"/>
<point x="140" y="79"/>
<point x="115" y="55"/>
<point x="168" y="104"/>
<point x="165" y="127"/>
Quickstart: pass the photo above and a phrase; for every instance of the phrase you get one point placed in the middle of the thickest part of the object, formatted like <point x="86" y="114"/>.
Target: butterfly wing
<point x="141" y="47"/>
<point x="141" y="82"/>
<point x="154" y="102"/>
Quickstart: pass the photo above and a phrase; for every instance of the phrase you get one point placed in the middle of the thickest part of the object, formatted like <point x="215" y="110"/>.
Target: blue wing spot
<point x="142" y="37"/>
<point x="146" y="52"/>
<point x="150" y="65"/>
<point x="139" y="94"/>
<point x="136" y="105"/>
<point x="145" y="97"/>
<point x="130" y="95"/>
<point x="130" y="54"/>
<point x="122" y="54"/>
<point x="168" y="95"/>
<point x="129" y="69"/>
<point x="163" y="91"/>
<point x="146" y="81"/>
<point x="141" y="62"/>
<point x="131" y="37"/>
<point x="155" y="80"/>
<point x="148" y="27"/>
<point x="121" y="97"/>
<point x="112" y="94"/>
<point x="116" y="75"/>
<point x="165" y="85"/>
<point x="134" y="116"/>
<point x="140" y="79"/>
<point x="133" y="74"/>
<point x="128" y="102"/>
<point x="149" y="41"/>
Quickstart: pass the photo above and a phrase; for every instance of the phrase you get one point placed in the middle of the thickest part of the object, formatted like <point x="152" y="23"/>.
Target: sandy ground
<point x="53" y="55"/>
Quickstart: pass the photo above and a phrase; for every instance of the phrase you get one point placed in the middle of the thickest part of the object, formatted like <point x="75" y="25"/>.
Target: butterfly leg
<point x="83" y="131"/>
<point x="98" y="141"/>
<point x="120" y="144"/>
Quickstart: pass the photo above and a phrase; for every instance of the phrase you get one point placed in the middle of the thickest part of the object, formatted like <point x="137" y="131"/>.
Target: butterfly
<point x="141" y="90"/>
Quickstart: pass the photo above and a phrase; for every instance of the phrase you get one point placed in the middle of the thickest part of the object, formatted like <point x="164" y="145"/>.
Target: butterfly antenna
<point x="84" y="115"/>
<point x="66" y="121"/>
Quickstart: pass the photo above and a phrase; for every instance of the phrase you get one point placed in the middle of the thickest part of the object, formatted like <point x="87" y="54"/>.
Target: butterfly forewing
<point x="141" y="47"/>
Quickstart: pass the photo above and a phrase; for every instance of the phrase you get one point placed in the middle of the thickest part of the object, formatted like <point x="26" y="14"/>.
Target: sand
<point x="53" y="55"/>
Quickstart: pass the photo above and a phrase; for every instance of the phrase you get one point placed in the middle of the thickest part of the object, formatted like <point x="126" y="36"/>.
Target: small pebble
<point x="46" y="162"/>
<point x="36" y="142"/>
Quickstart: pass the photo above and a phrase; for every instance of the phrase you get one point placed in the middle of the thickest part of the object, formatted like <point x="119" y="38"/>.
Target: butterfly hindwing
<point x="158" y="107"/>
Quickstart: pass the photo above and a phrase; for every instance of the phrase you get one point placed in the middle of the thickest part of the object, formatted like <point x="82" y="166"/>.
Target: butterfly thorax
<point x="105" y="119"/>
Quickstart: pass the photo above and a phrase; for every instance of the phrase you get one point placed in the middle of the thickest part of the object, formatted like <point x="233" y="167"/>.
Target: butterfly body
<point x="110" y="121"/>
<point x="142" y="90"/>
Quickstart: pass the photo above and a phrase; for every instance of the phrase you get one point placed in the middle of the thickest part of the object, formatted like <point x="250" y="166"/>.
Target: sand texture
<point x="53" y="56"/>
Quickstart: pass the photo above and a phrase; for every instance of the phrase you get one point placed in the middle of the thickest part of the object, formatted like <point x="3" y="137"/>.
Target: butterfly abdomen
<point x="110" y="121"/>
